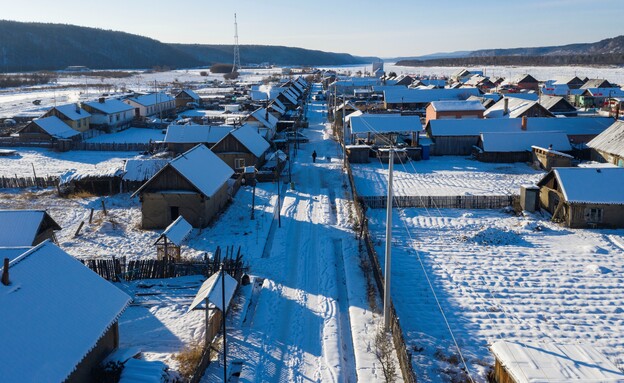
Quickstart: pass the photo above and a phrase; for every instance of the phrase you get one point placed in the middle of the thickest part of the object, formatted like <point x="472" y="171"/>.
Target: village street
<point x="309" y="320"/>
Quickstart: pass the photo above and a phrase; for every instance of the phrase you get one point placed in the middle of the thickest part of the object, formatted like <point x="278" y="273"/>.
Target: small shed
<point x="548" y="158"/>
<point x="584" y="197"/>
<point x="518" y="362"/>
<point x="26" y="227"/>
<point x="358" y="154"/>
<point x="98" y="180"/>
<point x="170" y="241"/>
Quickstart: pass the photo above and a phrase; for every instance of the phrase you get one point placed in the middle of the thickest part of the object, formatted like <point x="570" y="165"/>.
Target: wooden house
<point x="265" y="121"/>
<point x="608" y="146"/>
<point x="596" y="83"/>
<point x="571" y="82"/>
<point x="584" y="197"/>
<point x="60" y="318"/>
<point x="596" y="97"/>
<point x="342" y="111"/>
<point x="508" y="147"/>
<point x="418" y="99"/>
<point x="461" y="75"/>
<point x="520" y="362"/>
<point x="404" y="80"/>
<point x="194" y="185"/>
<point x="186" y="96"/>
<point x="558" y="106"/>
<point x="458" y="137"/>
<point x="47" y="129"/>
<point x="180" y="138"/>
<point x="487" y="102"/>
<point x="514" y="107"/>
<point x="242" y="147"/>
<point x="525" y="81"/>
<point x="478" y="81"/>
<point x="454" y="110"/>
<point x="109" y="114"/>
<point x="548" y="158"/>
<point x="169" y="244"/>
<point x="71" y="114"/>
<point x="20" y="228"/>
<point x="153" y="104"/>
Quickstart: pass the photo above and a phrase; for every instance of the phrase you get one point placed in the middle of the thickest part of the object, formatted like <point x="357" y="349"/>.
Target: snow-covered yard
<point x="50" y="163"/>
<point x="498" y="276"/>
<point x="444" y="176"/>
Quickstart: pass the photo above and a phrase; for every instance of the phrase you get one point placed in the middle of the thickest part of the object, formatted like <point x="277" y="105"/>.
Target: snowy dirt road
<point x="297" y="326"/>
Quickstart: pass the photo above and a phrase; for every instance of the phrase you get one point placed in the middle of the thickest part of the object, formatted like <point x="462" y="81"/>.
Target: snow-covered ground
<point x="498" y="276"/>
<point x="444" y="176"/>
<point x="50" y="163"/>
<point x="309" y="320"/>
<point x="130" y="136"/>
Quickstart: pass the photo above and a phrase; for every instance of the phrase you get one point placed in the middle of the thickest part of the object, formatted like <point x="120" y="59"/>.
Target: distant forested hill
<point x="604" y="52"/>
<point x="39" y="46"/>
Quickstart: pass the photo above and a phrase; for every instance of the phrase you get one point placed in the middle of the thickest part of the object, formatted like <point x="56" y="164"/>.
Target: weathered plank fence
<point x="27" y="182"/>
<point x="443" y="202"/>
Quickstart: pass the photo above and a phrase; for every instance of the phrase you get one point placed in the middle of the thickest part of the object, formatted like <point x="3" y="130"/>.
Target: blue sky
<point x="362" y="27"/>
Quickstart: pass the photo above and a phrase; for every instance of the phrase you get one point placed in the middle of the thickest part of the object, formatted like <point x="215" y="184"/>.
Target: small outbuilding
<point x="194" y="185"/>
<point x="548" y="158"/>
<point x="170" y="241"/>
<point x="584" y="197"/>
<point x="519" y="362"/>
<point x="47" y="129"/>
<point x="26" y="227"/>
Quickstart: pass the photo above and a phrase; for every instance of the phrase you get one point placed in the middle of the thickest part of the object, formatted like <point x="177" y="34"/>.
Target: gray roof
<point x="402" y="95"/>
<point x="611" y="140"/>
<point x="110" y="106"/>
<point x="516" y="107"/>
<point x="549" y="102"/>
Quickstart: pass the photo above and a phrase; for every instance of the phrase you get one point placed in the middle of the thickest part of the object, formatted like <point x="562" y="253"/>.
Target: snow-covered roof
<point x="476" y="126"/>
<point x="54" y="312"/>
<point x="265" y="118"/>
<point x="354" y="114"/>
<point x="202" y="168"/>
<point x="110" y="106"/>
<point x="13" y="252"/>
<point x="72" y="111"/>
<point x="555" y="363"/>
<point x="592" y="185"/>
<point x="20" y="227"/>
<point x="143" y="371"/>
<point x="523" y="141"/>
<point x="190" y="93"/>
<point x="611" y="140"/>
<point x="384" y="123"/>
<point x="151" y="99"/>
<point x="515" y="106"/>
<point x="249" y="137"/>
<point x="178" y="231"/>
<point x="99" y="171"/>
<point x="273" y="105"/>
<point x="280" y="104"/>
<point x="191" y="134"/>
<point x="605" y="92"/>
<point x="212" y="290"/>
<point x="453" y="106"/>
<point x="55" y="127"/>
<point x="411" y="96"/>
<point x="142" y="169"/>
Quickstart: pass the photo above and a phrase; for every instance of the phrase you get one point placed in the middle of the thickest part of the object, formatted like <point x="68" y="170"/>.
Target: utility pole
<point x="279" y="197"/>
<point x="388" y="257"/>
<point x="224" y="333"/>
<point x="253" y="198"/>
<point x="344" y="135"/>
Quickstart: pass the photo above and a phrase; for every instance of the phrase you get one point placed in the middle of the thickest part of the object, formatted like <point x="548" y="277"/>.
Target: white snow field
<point x="309" y="320"/>
<point x="498" y="276"/>
<point x="444" y="176"/>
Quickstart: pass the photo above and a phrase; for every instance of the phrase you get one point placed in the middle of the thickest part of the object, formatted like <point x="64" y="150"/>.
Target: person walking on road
<point x="314" y="156"/>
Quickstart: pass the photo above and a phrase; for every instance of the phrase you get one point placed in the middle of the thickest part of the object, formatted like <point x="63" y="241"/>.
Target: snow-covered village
<point x="251" y="213"/>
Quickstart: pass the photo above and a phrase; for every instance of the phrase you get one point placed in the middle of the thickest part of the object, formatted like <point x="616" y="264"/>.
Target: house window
<point x="593" y="215"/>
<point x="239" y="163"/>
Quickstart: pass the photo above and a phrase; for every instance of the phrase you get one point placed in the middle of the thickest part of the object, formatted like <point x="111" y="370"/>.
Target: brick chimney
<point x="506" y="106"/>
<point x="5" y="272"/>
<point x="524" y="123"/>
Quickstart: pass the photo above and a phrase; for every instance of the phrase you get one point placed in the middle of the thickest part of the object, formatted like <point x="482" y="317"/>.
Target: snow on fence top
<point x="53" y="302"/>
<point x="553" y="363"/>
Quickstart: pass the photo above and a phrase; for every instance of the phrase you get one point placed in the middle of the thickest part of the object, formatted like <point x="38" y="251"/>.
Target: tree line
<point x="616" y="59"/>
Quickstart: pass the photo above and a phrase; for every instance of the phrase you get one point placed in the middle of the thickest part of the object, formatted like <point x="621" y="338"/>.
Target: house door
<point x="137" y="112"/>
<point x="174" y="212"/>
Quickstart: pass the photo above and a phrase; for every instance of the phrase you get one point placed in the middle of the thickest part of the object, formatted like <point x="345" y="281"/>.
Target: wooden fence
<point x="111" y="146"/>
<point x="403" y="353"/>
<point x="115" y="269"/>
<point x="443" y="202"/>
<point x="27" y="182"/>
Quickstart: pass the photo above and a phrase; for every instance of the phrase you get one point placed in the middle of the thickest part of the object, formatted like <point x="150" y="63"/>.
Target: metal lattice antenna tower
<point x="237" y="63"/>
